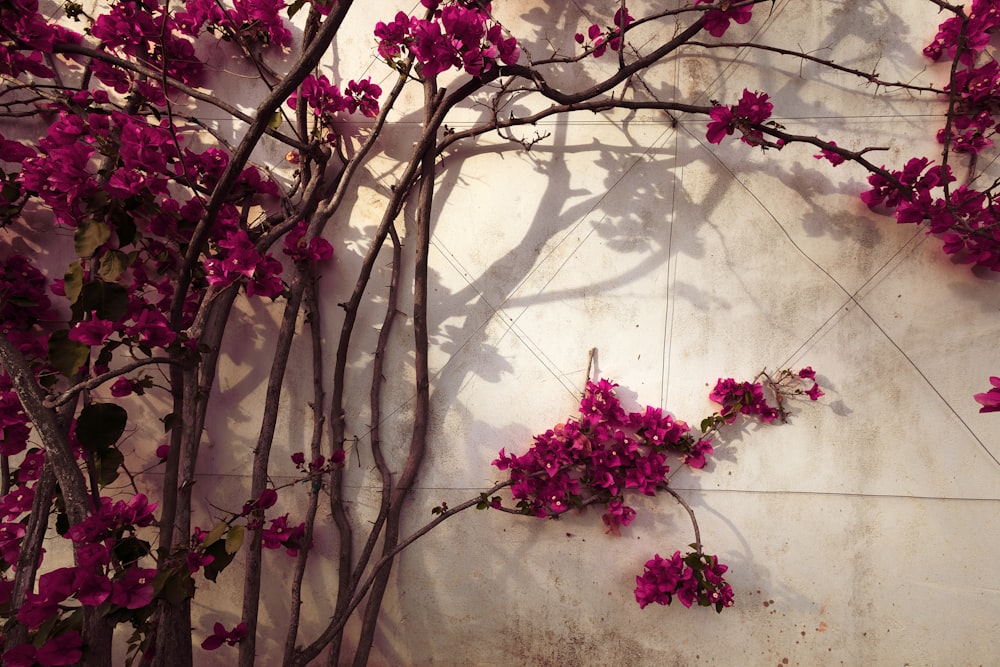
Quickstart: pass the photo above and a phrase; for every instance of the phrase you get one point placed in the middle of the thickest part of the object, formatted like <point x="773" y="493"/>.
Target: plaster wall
<point x="863" y="533"/>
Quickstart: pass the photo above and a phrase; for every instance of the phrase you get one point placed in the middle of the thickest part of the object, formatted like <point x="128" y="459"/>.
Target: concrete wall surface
<point x="865" y="532"/>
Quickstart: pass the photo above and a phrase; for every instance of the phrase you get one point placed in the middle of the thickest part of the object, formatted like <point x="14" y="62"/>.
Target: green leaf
<point x="125" y="228"/>
<point x="234" y="539"/>
<point x="275" y="121"/>
<point x="65" y="355"/>
<point x="222" y="559"/>
<point x="106" y="354"/>
<point x="108" y="461"/>
<point x="100" y="425"/>
<point x="108" y="300"/>
<point x="62" y="523"/>
<point x="131" y="549"/>
<point x="11" y="191"/>
<point x="171" y="421"/>
<point x="215" y="534"/>
<point x="292" y="9"/>
<point x="113" y="264"/>
<point x="73" y="281"/>
<point x="89" y="237"/>
<point x="45" y="630"/>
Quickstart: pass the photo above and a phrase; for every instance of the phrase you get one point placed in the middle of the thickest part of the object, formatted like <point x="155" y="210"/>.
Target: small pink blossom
<point x="717" y="20"/>
<point x="63" y="649"/>
<point x="222" y="636"/>
<point x="122" y="387"/>
<point x="91" y="332"/>
<point x="134" y="589"/>
<point x="695" y="458"/>
<point x="990" y="400"/>
<point x="831" y="156"/>
<point x="720" y="125"/>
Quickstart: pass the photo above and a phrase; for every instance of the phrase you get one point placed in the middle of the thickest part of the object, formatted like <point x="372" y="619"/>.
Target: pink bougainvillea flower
<point x="267" y="498"/>
<point x="717" y="20"/>
<point x="742" y="398"/>
<point x="23" y="655"/>
<point x="14" y="151"/>
<point x="17" y="501"/>
<point x="699" y="450"/>
<point x="618" y="515"/>
<point x="151" y="328"/>
<point x="91" y="332"/>
<point x="92" y="589"/>
<point x="53" y="588"/>
<point x="661" y="580"/>
<point x="365" y="95"/>
<point x="460" y="35"/>
<point x="316" y="250"/>
<point x="64" y="649"/>
<point x="222" y="636"/>
<point x="122" y="387"/>
<point x="720" y="125"/>
<point x="195" y="561"/>
<point x="990" y="400"/>
<point x="830" y="156"/>
<point x="695" y="578"/>
<point x="134" y="589"/>
<point x="814" y="392"/>
<point x="753" y="107"/>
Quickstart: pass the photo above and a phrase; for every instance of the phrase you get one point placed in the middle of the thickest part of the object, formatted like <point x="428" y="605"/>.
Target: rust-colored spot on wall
<point x="821" y="627"/>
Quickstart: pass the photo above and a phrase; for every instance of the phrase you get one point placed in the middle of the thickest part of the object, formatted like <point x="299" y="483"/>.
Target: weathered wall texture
<point x="864" y="533"/>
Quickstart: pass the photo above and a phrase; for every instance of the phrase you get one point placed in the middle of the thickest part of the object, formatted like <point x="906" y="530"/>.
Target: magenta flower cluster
<point x="457" y="35"/>
<point x="130" y="189"/>
<point x="600" y="39"/>
<point x="723" y="13"/>
<point x="693" y="578"/>
<point x="976" y="87"/>
<point x="963" y="217"/>
<point x="747" y="398"/>
<point x="107" y="536"/>
<point x="752" y="109"/>
<point x="330" y="105"/>
<point x="596" y="458"/>
<point x="982" y="19"/>
<point x="249" y="22"/>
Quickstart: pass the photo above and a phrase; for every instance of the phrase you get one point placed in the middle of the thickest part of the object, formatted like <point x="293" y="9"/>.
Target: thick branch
<point x="58" y="451"/>
<point x="315" y="449"/>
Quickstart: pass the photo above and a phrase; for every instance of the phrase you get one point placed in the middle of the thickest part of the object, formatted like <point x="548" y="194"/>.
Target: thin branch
<point x="694" y="520"/>
<point x="94" y="382"/>
<point x="315" y="444"/>
<point x="305" y="655"/>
